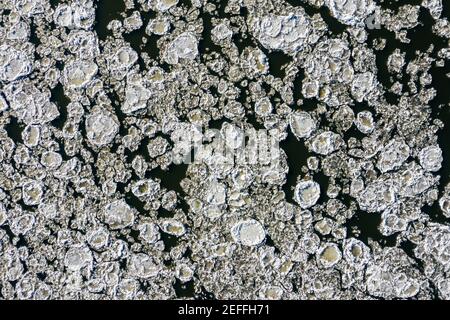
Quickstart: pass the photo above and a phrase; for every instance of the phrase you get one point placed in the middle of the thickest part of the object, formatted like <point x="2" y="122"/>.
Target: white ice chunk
<point x="248" y="232"/>
<point x="307" y="193"/>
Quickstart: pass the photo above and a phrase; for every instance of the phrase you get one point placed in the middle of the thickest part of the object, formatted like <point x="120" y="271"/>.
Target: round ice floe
<point x="302" y="124"/>
<point x="312" y="163"/>
<point x="31" y="135"/>
<point x="263" y="107"/>
<point x="173" y="227"/>
<point x="32" y="193"/>
<point x="310" y="88"/>
<point x="125" y="57"/>
<point x="83" y="15"/>
<point x="328" y="255"/>
<point x="22" y="224"/>
<point x="242" y="177"/>
<point x="121" y="61"/>
<point x="325" y="143"/>
<point x="98" y="238"/>
<point x="127" y="288"/>
<point x="350" y="12"/>
<point x="184" y="272"/>
<point x="133" y="21"/>
<point x="364" y="122"/>
<point x="48" y="209"/>
<point x="431" y="158"/>
<point x="184" y="47"/>
<point x="343" y="118"/>
<point x="101" y="127"/>
<point x="146" y="187"/>
<point x="356" y="253"/>
<point x="307" y="193"/>
<point x="118" y="214"/>
<point x="51" y="159"/>
<point x="248" y="232"/>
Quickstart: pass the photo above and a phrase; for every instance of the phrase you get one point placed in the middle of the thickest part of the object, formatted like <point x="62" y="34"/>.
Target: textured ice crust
<point x="240" y="149"/>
